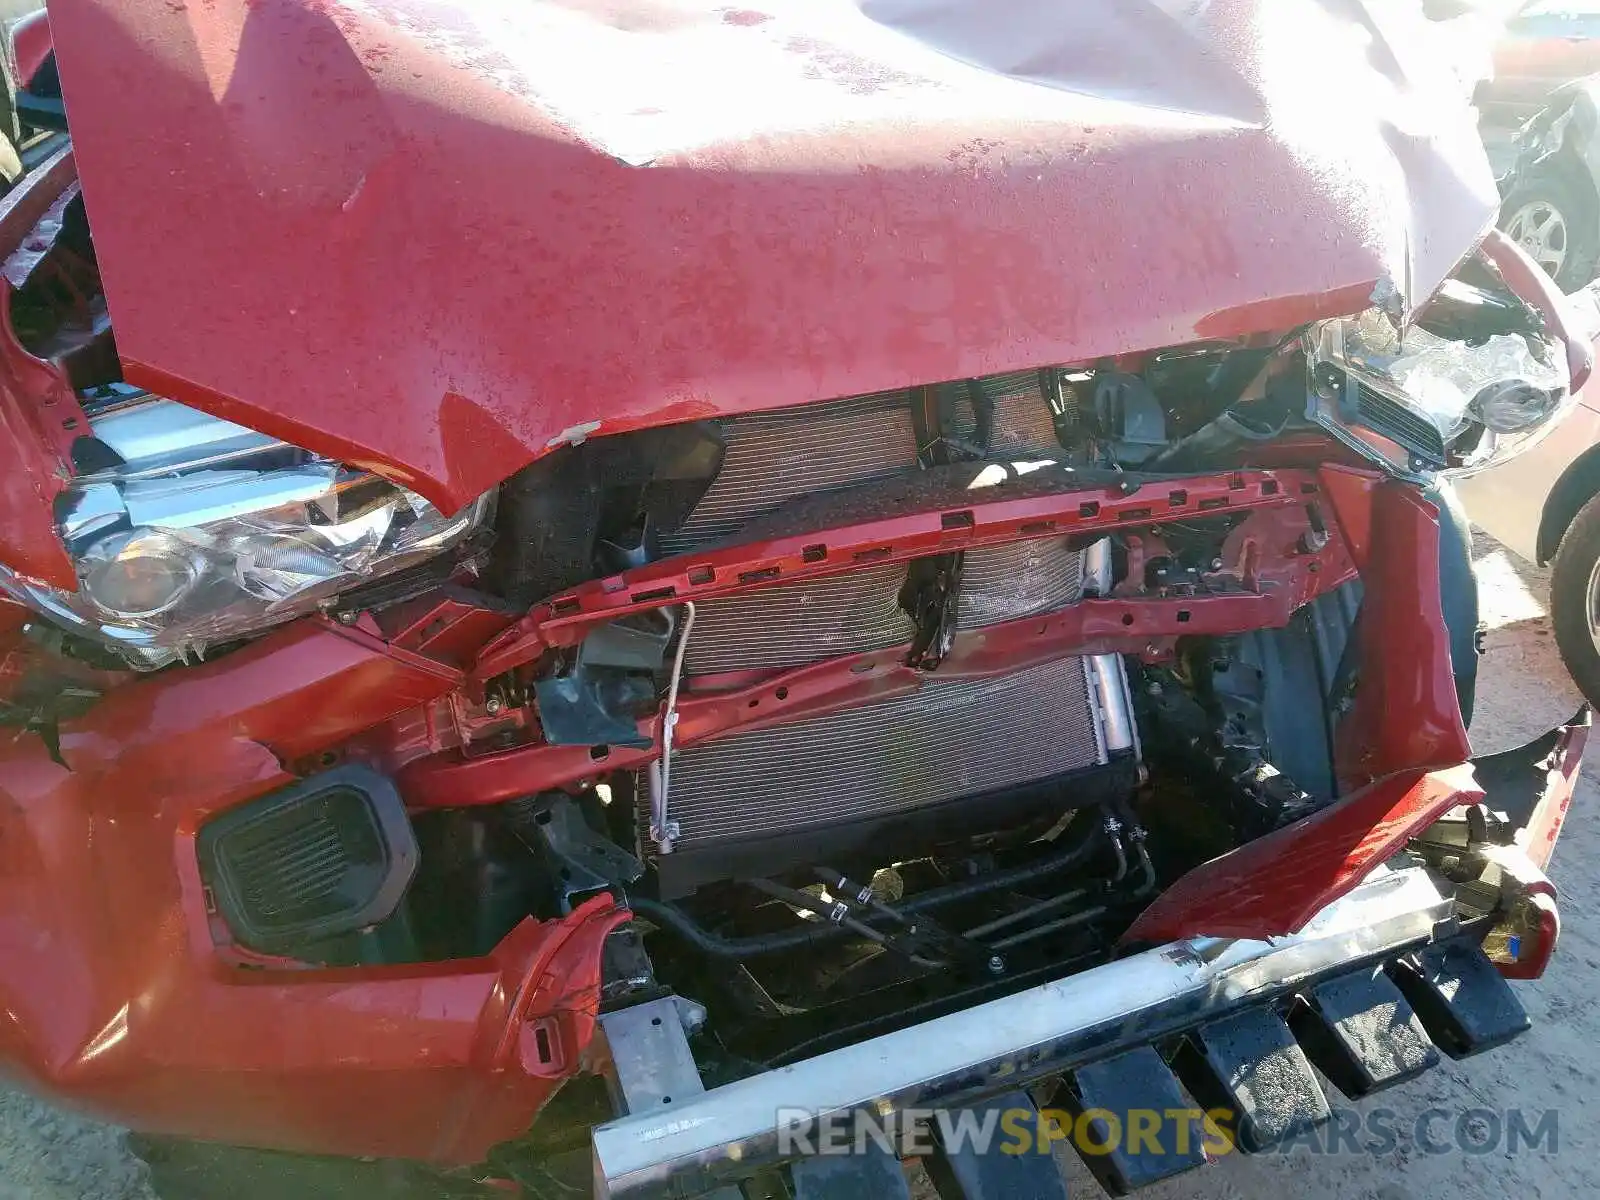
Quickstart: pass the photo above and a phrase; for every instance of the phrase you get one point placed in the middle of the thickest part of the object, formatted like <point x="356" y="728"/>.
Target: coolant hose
<point x="670" y="916"/>
<point x="836" y="913"/>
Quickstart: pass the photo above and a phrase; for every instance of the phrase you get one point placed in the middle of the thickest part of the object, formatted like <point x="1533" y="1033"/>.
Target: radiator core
<point x="950" y="738"/>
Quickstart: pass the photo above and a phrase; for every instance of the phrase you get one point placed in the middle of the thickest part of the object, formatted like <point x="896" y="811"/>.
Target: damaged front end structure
<point x="635" y="630"/>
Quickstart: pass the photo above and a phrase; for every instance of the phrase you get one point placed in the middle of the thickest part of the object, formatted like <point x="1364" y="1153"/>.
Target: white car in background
<point x="1544" y="505"/>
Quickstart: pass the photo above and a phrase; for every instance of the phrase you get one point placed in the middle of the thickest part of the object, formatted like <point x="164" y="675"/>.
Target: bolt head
<point x="997" y="965"/>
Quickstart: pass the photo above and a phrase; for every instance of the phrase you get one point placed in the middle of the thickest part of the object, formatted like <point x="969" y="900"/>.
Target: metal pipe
<point x="1097" y="568"/>
<point x="663" y="829"/>
<point x="1039" y="931"/>
<point x="1022" y="914"/>
<point x="1113" y="830"/>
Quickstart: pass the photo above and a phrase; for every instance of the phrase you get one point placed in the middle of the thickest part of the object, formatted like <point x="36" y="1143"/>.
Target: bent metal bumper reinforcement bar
<point x="731" y="1132"/>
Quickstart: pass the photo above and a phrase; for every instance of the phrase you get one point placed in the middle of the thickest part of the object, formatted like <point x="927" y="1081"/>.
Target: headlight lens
<point x="204" y="531"/>
<point x="139" y="574"/>
<point x="1512" y="406"/>
<point x="1403" y="400"/>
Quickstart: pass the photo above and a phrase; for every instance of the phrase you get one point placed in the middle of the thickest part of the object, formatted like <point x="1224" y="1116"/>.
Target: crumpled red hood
<point x="441" y="236"/>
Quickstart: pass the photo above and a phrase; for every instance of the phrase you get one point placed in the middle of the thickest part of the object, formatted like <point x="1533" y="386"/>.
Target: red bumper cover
<point x="113" y="997"/>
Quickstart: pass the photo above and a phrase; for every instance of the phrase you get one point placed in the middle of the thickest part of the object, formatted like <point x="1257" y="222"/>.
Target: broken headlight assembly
<point x="187" y="530"/>
<point x="1416" y="402"/>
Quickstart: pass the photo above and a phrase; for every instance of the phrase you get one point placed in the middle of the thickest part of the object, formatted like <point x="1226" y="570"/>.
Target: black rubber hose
<point x="798" y="899"/>
<point x="843" y="885"/>
<point x="1072" y="856"/>
<point x="671" y="917"/>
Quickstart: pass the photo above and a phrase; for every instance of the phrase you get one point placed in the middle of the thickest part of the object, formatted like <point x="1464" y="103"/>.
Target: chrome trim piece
<point x="149" y="432"/>
<point x="731" y="1131"/>
<point x="182" y="468"/>
<point x="93" y="508"/>
<point x="201" y="497"/>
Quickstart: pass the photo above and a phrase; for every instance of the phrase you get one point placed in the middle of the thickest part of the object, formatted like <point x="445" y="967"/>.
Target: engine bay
<point x="938" y="775"/>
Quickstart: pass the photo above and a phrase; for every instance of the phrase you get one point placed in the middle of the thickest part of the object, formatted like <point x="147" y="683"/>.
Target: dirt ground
<point x="49" y="1155"/>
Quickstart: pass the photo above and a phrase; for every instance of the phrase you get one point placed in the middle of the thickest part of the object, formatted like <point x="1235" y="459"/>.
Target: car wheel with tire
<point x="1555" y="218"/>
<point x="1575" y="599"/>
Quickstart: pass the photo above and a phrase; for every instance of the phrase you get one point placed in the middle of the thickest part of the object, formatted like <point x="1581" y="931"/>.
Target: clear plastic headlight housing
<point x="1417" y="402"/>
<point x="189" y="530"/>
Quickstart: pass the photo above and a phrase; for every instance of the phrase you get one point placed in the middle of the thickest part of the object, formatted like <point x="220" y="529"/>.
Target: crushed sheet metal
<point x="426" y="200"/>
<point x="20" y="264"/>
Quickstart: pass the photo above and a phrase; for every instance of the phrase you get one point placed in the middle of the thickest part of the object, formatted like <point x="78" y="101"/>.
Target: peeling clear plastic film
<point x="1507" y="381"/>
<point x="190" y="530"/>
<point x="1501" y="391"/>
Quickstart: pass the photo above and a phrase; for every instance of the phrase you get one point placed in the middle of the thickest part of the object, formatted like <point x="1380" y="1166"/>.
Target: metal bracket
<point x="651" y="1063"/>
<point x="932" y="596"/>
<point x="610" y="684"/>
<point x="588" y="861"/>
<point x="652" y="1068"/>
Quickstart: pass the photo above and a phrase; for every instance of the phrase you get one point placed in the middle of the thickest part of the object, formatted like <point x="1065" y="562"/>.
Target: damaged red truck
<point x="578" y="575"/>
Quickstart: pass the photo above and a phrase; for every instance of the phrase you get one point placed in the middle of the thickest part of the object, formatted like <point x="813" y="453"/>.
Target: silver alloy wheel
<point x="1592" y="603"/>
<point x="1540" y="229"/>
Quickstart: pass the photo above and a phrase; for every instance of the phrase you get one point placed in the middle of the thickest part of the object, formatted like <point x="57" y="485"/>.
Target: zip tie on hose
<point x="664" y="830"/>
<point x="676" y="920"/>
<point x="837" y="913"/>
